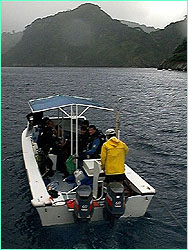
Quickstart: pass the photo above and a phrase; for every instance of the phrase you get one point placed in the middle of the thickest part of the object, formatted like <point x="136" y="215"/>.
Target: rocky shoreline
<point x="178" y="61"/>
<point x="179" y="66"/>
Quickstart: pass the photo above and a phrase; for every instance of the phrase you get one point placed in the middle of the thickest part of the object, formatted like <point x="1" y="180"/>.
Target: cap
<point x="110" y="131"/>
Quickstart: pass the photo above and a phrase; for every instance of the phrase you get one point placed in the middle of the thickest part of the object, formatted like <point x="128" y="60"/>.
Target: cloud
<point x="16" y="15"/>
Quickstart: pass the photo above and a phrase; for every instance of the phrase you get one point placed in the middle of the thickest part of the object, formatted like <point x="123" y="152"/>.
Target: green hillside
<point x="87" y="36"/>
<point x="178" y="61"/>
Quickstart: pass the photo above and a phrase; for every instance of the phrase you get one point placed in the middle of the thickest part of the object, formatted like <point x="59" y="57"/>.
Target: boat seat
<point x="53" y="158"/>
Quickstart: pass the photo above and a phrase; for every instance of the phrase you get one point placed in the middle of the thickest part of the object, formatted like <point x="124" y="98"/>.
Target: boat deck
<point x="62" y="187"/>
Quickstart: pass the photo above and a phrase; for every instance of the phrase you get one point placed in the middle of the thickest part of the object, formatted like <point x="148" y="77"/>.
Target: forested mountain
<point x="178" y="61"/>
<point x="87" y="36"/>
<point x="169" y="38"/>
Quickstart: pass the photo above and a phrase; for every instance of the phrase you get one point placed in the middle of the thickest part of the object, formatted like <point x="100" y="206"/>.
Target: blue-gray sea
<point x="153" y="125"/>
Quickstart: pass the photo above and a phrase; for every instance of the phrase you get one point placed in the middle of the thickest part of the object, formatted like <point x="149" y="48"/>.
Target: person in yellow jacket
<point x="113" y="154"/>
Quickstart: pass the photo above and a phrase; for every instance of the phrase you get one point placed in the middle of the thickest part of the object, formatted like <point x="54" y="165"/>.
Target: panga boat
<point x="74" y="202"/>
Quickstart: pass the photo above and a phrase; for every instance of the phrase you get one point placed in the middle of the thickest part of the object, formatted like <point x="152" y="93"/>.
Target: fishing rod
<point x="117" y="118"/>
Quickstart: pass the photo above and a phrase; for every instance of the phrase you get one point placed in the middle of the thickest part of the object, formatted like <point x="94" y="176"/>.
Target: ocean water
<point x="153" y="125"/>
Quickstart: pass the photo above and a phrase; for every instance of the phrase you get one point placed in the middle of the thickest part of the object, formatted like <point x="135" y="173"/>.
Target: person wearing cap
<point x="113" y="154"/>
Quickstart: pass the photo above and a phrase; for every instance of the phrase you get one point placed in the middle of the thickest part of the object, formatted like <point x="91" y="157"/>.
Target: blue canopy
<point x="60" y="101"/>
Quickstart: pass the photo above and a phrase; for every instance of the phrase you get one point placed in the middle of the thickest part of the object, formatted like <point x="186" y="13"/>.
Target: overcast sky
<point x="16" y="15"/>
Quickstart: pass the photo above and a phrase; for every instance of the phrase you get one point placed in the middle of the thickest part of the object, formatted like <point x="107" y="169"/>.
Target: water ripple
<point x="153" y="124"/>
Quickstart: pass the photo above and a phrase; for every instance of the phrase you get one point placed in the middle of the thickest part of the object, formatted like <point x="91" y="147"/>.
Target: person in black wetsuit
<point x="83" y="140"/>
<point x="85" y="124"/>
<point x="93" y="146"/>
<point x="36" y="118"/>
<point x="45" y="139"/>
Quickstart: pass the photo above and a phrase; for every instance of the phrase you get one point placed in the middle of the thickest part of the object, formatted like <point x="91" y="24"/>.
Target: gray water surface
<point x="153" y="125"/>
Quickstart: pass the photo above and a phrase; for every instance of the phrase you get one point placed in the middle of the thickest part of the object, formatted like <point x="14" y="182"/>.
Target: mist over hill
<point x="87" y="36"/>
<point x="9" y="40"/>
<point x="139" y="26"/>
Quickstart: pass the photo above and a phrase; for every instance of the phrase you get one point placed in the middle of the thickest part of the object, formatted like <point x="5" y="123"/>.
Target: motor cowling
<point x="115" y="199"/>
<point x="83" y="206"/>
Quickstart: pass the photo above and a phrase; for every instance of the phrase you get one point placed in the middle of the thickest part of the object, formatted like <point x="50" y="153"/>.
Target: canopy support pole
<point x="71" y="130"/>
<point x="76" y="136"/>
<point x="58" y="132"/>
<point x="83" y="112"/>
<point x="62" y="110"/>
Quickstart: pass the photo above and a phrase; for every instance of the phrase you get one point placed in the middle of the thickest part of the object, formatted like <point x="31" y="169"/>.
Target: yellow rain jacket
<point x="113" y="154"/>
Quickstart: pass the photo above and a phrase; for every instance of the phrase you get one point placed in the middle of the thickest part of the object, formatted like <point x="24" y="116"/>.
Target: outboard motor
<point x="83" y="206"/>
<point x="115" y="201"/>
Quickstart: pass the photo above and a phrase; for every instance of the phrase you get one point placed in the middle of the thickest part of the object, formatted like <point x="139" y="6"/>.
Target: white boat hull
<point x="60" y="215"/>
<point x="56" y="212"/>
